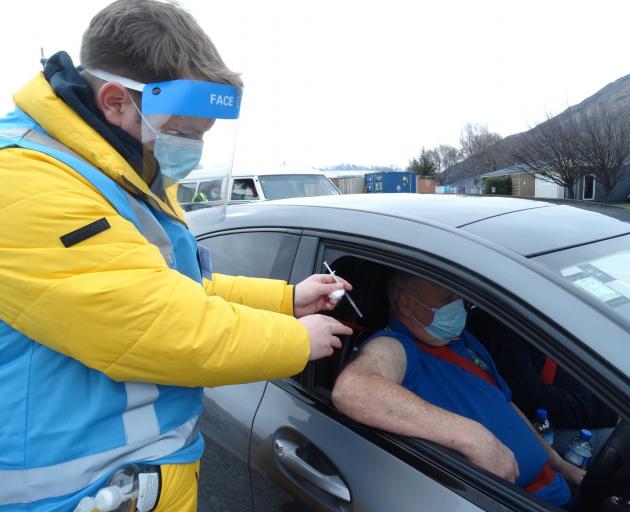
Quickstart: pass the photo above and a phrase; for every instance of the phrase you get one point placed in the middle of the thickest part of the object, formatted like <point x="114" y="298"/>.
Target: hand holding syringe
<point x="338" y="294"/>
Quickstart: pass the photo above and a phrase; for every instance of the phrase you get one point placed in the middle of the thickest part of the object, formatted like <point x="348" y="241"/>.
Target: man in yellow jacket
<point x="108" y="331"/>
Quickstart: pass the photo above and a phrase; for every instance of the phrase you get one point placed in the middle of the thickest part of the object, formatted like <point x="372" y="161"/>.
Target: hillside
<point x="614" y="96"/>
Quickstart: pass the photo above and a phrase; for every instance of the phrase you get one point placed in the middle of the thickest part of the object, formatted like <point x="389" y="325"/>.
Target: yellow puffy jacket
<point x="111" y="302"/>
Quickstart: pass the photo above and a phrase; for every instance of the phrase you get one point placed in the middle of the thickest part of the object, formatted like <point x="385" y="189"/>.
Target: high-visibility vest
<point x="143" y="422"/>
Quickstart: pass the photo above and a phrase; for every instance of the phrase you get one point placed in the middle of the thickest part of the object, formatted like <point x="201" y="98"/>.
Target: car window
<point x="370" y="296"/>
<point x="283" y="186"/>
<point x="186" y="192"/>
<point x="244" y="189"/>
<point x="600" y="270"/>
<point x="211" y="189"/>
<point x="253" y="254"/>
<point x="500" y="354"/>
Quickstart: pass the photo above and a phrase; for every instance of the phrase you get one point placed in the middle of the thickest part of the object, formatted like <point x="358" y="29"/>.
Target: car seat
<point x="369" y="293"/>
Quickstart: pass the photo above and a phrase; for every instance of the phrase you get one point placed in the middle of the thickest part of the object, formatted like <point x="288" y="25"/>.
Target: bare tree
<point x="435" y="158"/>
<point x="603" y="145"/>
<point x="444" y="157"/>
<point x="550" y="151"/>
<point x="480" y="147"/>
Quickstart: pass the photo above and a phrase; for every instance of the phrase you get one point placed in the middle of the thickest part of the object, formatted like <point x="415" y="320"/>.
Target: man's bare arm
<point x="369" y="390"/>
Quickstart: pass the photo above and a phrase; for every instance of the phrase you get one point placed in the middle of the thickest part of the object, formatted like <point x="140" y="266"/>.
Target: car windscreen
<point x="283" y="186"/>
<point x="600" y="270"/>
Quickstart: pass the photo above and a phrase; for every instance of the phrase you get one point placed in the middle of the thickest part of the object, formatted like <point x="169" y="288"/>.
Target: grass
<point x="625" y="204"/>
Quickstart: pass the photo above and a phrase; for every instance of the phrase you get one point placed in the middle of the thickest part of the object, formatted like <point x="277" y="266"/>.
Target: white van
<point x="198" y="189"/>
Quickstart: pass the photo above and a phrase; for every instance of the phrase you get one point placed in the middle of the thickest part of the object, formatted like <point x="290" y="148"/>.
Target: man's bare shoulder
<point x="382" y="344"/>
<point x="384" y="355"/>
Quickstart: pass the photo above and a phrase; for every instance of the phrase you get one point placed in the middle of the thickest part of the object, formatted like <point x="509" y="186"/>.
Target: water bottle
<point x="580" y="451"/>
<point x="543" y="426"/>
<point x="132" y="488"/>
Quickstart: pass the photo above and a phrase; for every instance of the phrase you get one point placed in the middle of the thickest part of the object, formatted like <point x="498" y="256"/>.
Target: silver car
<point x="558" y="274"/>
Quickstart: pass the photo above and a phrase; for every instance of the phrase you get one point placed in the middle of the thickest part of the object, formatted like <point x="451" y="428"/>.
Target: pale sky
<point x="368" y="82"/>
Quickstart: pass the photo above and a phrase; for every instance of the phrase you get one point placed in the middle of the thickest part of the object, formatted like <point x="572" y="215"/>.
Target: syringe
<point x="332" y="273"/>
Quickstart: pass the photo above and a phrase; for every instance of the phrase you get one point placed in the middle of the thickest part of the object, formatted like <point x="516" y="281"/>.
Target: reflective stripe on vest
<point x="142" y="432"/>
<point x="28" y="485"/>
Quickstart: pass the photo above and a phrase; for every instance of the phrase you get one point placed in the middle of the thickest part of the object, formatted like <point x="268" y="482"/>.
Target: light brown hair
<point x="152" y="41"/>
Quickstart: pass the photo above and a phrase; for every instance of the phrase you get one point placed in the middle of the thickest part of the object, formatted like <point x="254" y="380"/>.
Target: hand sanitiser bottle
<point x="132" y="488"/>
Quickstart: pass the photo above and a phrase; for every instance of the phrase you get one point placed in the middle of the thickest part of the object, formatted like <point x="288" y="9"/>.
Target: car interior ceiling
<point x="368" y="279"/>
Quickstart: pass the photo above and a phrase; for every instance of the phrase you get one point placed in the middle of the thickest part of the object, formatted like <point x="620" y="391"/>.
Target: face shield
<point x="187" y="125"/>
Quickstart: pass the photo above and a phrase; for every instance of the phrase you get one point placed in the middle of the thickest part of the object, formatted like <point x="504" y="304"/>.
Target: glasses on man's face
<point x="438" y="302"/>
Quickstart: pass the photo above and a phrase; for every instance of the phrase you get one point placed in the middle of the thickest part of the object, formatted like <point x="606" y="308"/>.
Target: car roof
<point x="200" y="174"/>
<point x="280" y="172"/>
<point x="525" y="226"/>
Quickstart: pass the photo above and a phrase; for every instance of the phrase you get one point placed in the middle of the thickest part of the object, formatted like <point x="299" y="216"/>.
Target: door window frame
<point x="429" y="458"/>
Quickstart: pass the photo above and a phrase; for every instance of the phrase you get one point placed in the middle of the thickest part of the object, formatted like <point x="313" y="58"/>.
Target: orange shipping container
<point x="425" y="185"/>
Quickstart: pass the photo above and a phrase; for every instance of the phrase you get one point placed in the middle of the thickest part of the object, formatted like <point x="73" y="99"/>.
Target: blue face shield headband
<point x="173" y="113"/>
<point x="186" y="98"/>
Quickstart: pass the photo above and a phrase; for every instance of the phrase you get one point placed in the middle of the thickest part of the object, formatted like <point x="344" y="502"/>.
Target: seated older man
<point x="426" y="376"/>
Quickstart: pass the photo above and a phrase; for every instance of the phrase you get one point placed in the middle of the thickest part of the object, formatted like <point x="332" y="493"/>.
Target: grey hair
<point x="399" y="280"/>
<point x="396" y="281"/>
<point x="152" y="41"/>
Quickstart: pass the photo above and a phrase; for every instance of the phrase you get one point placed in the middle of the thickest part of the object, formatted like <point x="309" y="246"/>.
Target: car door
<point x="305" y="455"/>
<point x="228" y="411"/>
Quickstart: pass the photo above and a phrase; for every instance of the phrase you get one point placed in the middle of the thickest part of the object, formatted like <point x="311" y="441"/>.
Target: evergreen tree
<point x="423" y="165"/>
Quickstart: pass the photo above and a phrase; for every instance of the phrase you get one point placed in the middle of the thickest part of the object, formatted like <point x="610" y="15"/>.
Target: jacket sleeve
<point x="111" y="302"/>
<point x="269" y="294"/>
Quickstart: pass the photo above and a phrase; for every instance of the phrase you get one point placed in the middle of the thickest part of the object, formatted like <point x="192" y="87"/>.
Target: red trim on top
<point x="543" y="479"/>
<point x="448" y="354"/>
<point x="548" y="372"/>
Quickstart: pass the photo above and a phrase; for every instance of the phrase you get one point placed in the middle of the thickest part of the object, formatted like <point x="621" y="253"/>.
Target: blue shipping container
<point x="390" y="182"/>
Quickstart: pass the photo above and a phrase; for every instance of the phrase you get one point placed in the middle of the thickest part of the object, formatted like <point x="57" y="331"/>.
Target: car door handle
<point x="287" y="452"/>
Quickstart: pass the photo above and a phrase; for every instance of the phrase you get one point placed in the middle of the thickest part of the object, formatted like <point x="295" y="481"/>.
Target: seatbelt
<point x="449" y="355"/>
<point x="548" y="372"/>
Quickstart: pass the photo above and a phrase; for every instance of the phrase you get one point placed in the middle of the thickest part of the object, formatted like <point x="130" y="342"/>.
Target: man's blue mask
<point x="448" y="321"/>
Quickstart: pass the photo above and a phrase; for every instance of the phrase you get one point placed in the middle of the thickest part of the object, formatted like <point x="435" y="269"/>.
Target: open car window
<point x="494" y="331"/>
<point x="244" y="189"/>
